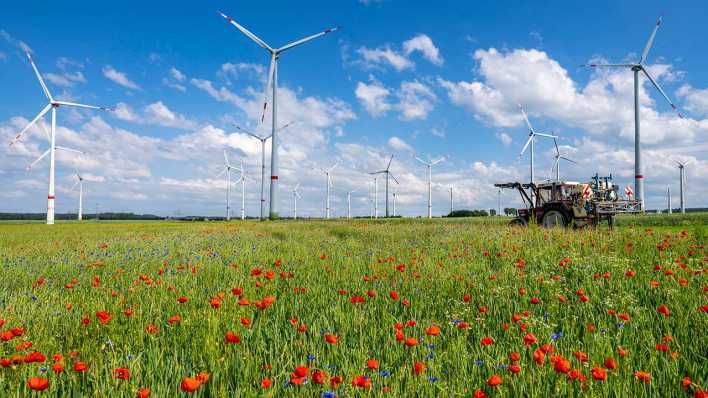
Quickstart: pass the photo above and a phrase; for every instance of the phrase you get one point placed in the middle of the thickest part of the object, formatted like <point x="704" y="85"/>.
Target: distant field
<point x="396" y="308"/>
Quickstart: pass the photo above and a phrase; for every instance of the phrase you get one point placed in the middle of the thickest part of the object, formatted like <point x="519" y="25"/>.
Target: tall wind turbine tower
<point x="275" y="54"/>
<point x="452" y="201"/>
<point x="668" y="199"/>
<point x="386" y="171"/>
<point x="262" y="139"/>
<point x="227" y="169"/>
<point x="640" y="66"/>
<point x="53" y="105"/>
<point x="349" y="203"/>
<point x="429" y="165"/>
<point x="682" y="182"/>
<point x="296" y="195"/>
<point x="328" y="173"/>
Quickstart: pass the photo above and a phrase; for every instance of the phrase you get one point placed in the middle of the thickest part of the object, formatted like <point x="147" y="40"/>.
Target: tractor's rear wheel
<point x="554" y="218"/>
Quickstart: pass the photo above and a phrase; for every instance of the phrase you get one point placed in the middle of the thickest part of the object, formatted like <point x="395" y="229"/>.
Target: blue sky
<point x="438" y="79"/>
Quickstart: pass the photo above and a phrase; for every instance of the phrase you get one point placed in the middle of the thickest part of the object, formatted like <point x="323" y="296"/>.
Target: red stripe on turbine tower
<point x="273" y="177"/>
<point x="50" y="197"/>
<point x="639" y="176"/>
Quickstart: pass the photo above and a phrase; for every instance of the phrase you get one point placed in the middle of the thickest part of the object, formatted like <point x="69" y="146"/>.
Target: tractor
<point x="570" y="204"/>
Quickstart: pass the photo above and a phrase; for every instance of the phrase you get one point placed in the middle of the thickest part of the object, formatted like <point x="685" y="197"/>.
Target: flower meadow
<point x="398" y="308"/>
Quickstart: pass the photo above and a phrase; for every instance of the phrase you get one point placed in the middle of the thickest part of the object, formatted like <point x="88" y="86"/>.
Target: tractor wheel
<point x="517" y="222"/>
<point x="554" y="218"/>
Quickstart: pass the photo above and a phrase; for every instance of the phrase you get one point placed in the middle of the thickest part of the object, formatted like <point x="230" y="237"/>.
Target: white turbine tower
<point x="53" y="105"/>
<point x="349" y="202"/>
<point x="395" y="191"/>
<point x="682" y="182"/>
<point x="296" y="195"/>
<point x="275" y="54"/>
<point x="262" y="139"/>
<point x="452" y="201"/>
<point x="80" y="183"/>
<point x="376" y="196"/>
<point x="559" y="157"/>
<point x="386" y="171"/>
<point x="636" y="68"/>
<point x="328" y="173"/>
<point x="532" y="138"/>
<point x="429" y="165"/>
<point x="668" y="199"/>
<point x="242" y="180"/>
<point x="227" y="170"/>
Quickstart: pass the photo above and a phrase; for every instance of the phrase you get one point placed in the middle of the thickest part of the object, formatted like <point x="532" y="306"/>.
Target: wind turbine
<point x="682" y="181"/>
<point x="394" y="200"/>
<point x="668" y="199"/>
<point x="242" y="180"/>
<point x="558" y="156"/>
<point x="328" y="173"/>
<point x="349" y="202"/>
<point x="386" y="171"/>
<point x="275" y="54"/>
<point x="296" y="195"/>
<point x="636" y="68"/>
<point x="532" y="138"/>
<point x="376" y="196"/>
<point x="53" y="105"/>
<point x="429" y="165"/>
<point x="227" y="170"/>
<point x="452" y="203"/>
<point x="80" y="183"/>
<point x="263" y="140"/>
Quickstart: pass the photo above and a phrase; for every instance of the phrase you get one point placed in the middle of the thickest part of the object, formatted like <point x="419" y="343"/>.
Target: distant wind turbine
<point x="429" y="165"/>
<point x="559" y="156"/>
<point x="636" y="68"/>
<point x="275" y="54"/>
<point x="227" y="169"/>
<point x="80" y="183"/>
<point x="386" y="171"/>
<point x="532" y="138"/>
<point x="53" y="105"/>
<point x="682" y="182"/>
<point x="296" y="195"/>
<point x="328" y="173"/>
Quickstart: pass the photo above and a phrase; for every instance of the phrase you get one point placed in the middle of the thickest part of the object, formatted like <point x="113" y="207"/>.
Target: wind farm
<point x="421" y="200"/>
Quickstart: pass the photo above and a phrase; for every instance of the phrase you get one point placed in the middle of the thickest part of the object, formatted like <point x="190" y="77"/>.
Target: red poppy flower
<point x="466" y="298"/>
<point x="561" y="365"/>
<point x="151" y="328"/>
<point x="232" y="338"/>
<point x="182" y="300"/>
<point x="487" y="341"/>
<point x="610" y="363"/>
<point x="202" y="377"/>
<point x="80" y="366"/>
<point x="514" y="356"/>
<point x="58" y="368"/>
<point x="301" y="371"/>
<point x="335" y="381"/>
<point x="318" y="377"/>
<point x="189" y="384"/>
<point x="535" y="300"/>
<point x="599" y="374"/>
<point x="411" y="342"/>
<point x="433" y="331"/>
<point x="121" y="373"/>
<point x="663" y="310"/>
<point x="143" y="393"/>
<point x="394" y="295"/>
<point x="361" y="382"/>
<point x="35" y="357"/>
<point x="514" y="368"/>
<point x="662" y="347"/>
<point x="494" y="381"/>
<point x="245" y="322"/>
<point x="479" y="394"/>
<point x="372" y="364"/>
<point x="418" y="368"/>
<point x="174" y="319"/>
<point x="529" y="339"/>
<point x="539" y="356"/>
<point x="331" y="339"/>
<point x="581" y="356"/>
<point x="103" y="317"/>
<point x="643" y="376"/>
<point x="38" y="383"/>
<point x="266" y="383"/>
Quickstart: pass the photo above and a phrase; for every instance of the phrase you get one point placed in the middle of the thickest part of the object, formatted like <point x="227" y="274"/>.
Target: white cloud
<point x="382" y="56"/>
<point x="119" y="78"/>
<point x="373" y="97"/>
<point x="696" y="100"/>
<point x="66" y="79"/>
<point x="425" y="45"/>
<point x="156" y="113"/>
<point x="399" y="145"/>
<point x="177" y="75"/>
<point x="503" y="137"/>
<point x="416" y="100"/>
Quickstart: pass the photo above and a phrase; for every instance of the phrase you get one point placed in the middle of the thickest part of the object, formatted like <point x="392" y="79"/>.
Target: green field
<point x="439" y="305"/>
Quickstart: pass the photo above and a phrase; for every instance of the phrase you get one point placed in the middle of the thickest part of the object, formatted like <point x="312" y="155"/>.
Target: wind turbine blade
<point x="283" y="127"/>
<point x="296" y="187"/>
<point x="526" y="118"/>
<point x="46" y="131"/>
<point x="394" y="178"/>
<point x="650" y="42"/>
<point x="526" y="146"/>
<point x="39" y="115"/>
<point x="569" y="160"/>
<point x="247" y="32"/>
<point x="306" y="39"/>
<point x="222" y="172"/>
<point x="389" y="163"/>
<point x="608" y="65"/>
<point x="38" y="159"/>
<point x="437" y="161"/>
<point x="546" y="135"/>
<point x="332" y="168"/>
<point x="226" y="158"/>
<point x="658" y="87"/>
<point x="271" y="72"/>
<point x="83" y="106"/>
<point x="420" y="160"/>
<point x="555" y="143"/>
<point x="69" y="149"/>
<point x="75" y="184"/>
<point x="39" y="77"/>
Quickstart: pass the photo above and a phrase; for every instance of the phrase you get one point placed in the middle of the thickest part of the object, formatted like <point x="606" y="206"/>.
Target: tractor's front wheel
<point x="517" y="222"/>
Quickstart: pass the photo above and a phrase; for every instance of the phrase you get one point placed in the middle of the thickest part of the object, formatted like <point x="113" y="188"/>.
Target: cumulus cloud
<point x="696" y="100"/>
<point x="384" y="56"/>
<point x="399" y="145"/>
<point x="503" y="137"/>
<point x="373" y="96"/>
<point x="425" y="45"/>
<point x="416" y="100"/>
<point x="119" y="78"/>
<point x="156" y="113"/>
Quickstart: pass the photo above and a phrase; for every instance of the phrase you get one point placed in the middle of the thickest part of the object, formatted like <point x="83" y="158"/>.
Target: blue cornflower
<point x="384" y="373"/>
<point x="43" y="370"/>
<point x="311" y="357"/>
<point x="546" y="315"/>
<point x="501" y="366"/>
<point x="479" y="362"/>
<point x="431" y="346"/>
<point x="430" y="355"/>
<point x="432" y="379"/>
<point x="328" y="394"/>
<point x="556" y="336"/>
